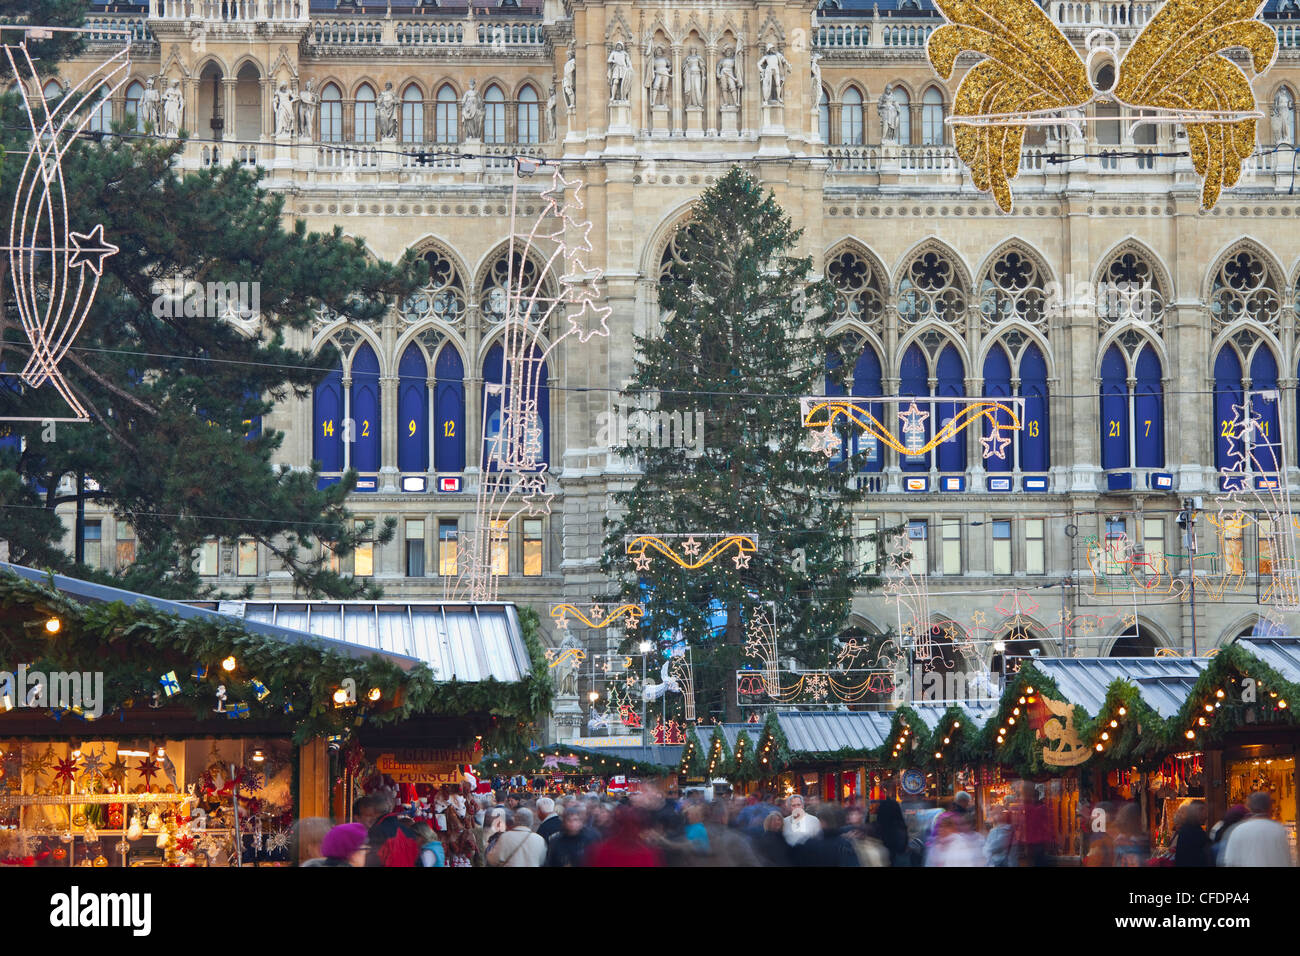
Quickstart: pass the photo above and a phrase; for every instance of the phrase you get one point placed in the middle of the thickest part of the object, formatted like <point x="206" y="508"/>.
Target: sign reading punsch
<point x="425" y="766"/>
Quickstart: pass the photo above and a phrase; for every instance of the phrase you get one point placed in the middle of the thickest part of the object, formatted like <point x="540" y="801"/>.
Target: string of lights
<point x="605" y="389"/>
<point x="1055" y="157"/>
<point x="1078" y="516"/>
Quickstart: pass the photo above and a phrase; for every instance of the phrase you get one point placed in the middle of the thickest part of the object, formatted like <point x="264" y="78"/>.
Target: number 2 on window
<point x="365" y="428"/>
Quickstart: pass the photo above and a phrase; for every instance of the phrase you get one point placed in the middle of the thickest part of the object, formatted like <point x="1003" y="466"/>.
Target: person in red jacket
<point x="1034" y="837"/>
<point x="624" y="846"/>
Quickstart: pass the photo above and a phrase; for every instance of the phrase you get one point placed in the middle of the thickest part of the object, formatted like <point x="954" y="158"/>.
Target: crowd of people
<point x="649" y="829"/>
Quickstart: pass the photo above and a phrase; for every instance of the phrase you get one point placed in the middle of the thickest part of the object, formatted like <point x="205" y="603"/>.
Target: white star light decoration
<point x="913" y="420"/>
<point x="995" y="444"/>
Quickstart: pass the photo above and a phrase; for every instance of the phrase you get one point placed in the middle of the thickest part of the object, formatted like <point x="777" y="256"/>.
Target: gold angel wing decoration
<point x="1030" y="67"/>
<point x="1175" y="64"/>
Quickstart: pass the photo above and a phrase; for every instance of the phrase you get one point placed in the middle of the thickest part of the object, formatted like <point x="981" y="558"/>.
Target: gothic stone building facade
<point x="1129" y="319"/>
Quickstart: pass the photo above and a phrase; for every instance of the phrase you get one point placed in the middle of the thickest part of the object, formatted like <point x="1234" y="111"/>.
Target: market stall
<point x="826" y="754"/>
<point x="1091" y="734"/>
<point x="143" y="732"/>
<point x="1240" y="714"/>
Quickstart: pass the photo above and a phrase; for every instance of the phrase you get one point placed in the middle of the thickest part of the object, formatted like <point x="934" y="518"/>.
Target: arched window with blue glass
<point x="997" y="386"/>
<point x="327" y="421"/>
<point x="1114" y="410"/>
<point x="537" y="430"/>
<point x="1149" y="411"/>
<point x="1029" y="448"/>
<point x="1238" y="397"/>
<point x="1132" y="407"/>
<point x="365" y="410"/>
<point x="1265" y="439"/>
<point x="950" y="382"/>
<point x="914" y="432"/>
<point x="1227" y="408"/>
<point x="412" y="411"/>
<point x="1035" y="444"/>
<point x="865" y="382"/>
<point x="449" y="411"/>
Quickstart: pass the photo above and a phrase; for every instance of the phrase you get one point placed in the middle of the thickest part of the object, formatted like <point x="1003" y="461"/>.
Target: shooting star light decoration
<point x="55" y="271"/>
<point x="550" y="295"/>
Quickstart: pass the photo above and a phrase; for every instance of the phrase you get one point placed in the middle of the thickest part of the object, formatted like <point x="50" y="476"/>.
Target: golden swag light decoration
<point x="1032" y="76"/>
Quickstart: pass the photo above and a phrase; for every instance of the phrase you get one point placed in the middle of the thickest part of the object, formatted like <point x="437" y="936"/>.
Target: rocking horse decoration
<point x="1053" y="721"/>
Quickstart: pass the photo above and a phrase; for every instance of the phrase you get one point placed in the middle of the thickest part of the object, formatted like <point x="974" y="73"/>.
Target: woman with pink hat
<point x="345" y="845"/>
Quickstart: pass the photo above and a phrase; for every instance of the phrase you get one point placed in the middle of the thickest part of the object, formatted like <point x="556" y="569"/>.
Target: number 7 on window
<point x="1148" y="431"/>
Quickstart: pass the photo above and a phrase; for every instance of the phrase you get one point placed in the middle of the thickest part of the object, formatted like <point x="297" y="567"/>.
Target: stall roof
<point x="1162" y="682"/>
<point x="829" y="731"/>
<point x="89" y="591"/>
<point x="730" y="732"/>
<point x="1280" y="653"/>
<point x="979" y="711"/>
<point x="665" y="755"/>
<point x="459" y="641"/>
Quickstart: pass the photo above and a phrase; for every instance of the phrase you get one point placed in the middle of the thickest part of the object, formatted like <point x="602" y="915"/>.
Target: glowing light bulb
<point x="53" y="625"/>
<point x="229" y="663"/>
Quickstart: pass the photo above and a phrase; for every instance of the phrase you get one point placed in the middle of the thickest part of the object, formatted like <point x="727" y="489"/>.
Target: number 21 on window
<point x="1114" y="430"/>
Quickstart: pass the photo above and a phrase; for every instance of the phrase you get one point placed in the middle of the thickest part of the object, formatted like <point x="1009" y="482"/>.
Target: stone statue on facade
<point x="1282" y="118"/>
<point x="816" y="79"/>
<point x="773" y="68"/>
<point x="658" y="78"/>
<point x="619" y="74"/>
<point x="471" y="112"/>
<point x="567" y="685"/>
<point x="151" y="104"/>
<point x="693" y="75"/>
<point x="307" y="102"/>
<point x="729" y="76"/>
<point x="570" y="82"/>
<point x="386" y="113"/>
<point x="890" y="116"/>
<point x="173" y="109"/>
<point x="282" y="105"/>
<point x="551" y="122"/>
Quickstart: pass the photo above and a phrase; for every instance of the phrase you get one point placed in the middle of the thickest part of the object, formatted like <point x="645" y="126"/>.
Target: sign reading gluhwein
<point x="425" y="766"/>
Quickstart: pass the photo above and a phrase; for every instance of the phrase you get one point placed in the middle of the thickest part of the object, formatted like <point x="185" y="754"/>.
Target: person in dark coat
<point x="770" y="844"/>
<point x="891" y="830"/>
<point x="830" y="848"/>
<point x="1194" y="847"/>
<point x="569" y="846"/>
